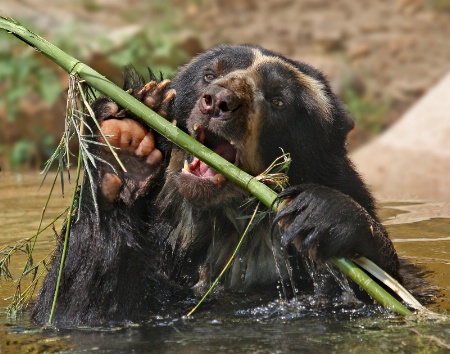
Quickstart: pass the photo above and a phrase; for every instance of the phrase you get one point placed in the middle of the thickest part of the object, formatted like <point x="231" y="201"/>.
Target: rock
<point x="411" y="161"/>
<point x="337" y="72"/>
<point x="403" y="90"/>
<point x="358" y="51"/>
<point x="372" y="27"/>
<point x="329" y="39"/>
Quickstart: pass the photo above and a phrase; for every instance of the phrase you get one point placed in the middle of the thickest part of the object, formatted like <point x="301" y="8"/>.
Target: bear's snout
<point x="217" y="100"/>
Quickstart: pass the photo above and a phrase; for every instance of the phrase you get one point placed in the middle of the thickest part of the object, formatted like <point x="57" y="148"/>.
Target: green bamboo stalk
<point x="369" y="285"/>
<point x="159" y="124"/>
<point x="66" y="238"/>
<point x="266" y="195"/>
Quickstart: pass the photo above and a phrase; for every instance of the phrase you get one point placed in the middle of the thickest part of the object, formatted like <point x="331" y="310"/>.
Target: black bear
<point x="168" y="225"/>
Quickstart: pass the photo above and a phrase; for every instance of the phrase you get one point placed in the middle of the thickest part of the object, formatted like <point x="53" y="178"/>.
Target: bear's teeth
<point x="186" y="166"/>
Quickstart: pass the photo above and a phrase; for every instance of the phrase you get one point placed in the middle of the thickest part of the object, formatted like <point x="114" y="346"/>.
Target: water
<point x="421" y="233"/>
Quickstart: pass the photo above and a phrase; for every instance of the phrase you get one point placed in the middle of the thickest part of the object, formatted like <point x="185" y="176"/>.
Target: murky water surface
<point x="421" y="232"/>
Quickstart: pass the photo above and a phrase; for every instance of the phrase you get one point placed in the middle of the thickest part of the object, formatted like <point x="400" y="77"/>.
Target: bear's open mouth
<point x="219" y="145"/>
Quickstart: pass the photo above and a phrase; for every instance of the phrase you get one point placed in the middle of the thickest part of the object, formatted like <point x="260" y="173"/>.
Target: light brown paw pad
<point x="131" y="137"/>
<point x="126" y="134"/>
<point x="110" y="186"/>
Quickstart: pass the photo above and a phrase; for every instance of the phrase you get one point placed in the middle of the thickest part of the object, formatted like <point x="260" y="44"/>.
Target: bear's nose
<point x="218" y="100"/>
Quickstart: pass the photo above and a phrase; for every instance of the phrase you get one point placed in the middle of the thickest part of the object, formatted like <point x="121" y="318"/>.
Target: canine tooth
<point x="130" y="91"/>
<point x="174" y="122"/>
<point x="232" y="142"/>
<point x="196" y="126"/>
<point x="186" y="166"/>
<point x="215" y="178"/>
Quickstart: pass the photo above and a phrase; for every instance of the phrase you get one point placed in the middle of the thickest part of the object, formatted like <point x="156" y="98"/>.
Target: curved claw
<point x="292" y="216"/>
<point x="327" y="223"/>
<point x="147" y="87"/>
<point x="157" y="96"/>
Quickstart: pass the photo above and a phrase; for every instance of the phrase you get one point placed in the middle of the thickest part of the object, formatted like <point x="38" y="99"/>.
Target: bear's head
<point x="249" y="105"/>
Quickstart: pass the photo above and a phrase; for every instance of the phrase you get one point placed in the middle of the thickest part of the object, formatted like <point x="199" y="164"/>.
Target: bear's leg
<point x="112" y="271"/>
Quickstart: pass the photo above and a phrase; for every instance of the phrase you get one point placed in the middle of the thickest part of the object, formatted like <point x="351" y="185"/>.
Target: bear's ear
<point x="343" y="122"/>
<point x="348" y="122"/>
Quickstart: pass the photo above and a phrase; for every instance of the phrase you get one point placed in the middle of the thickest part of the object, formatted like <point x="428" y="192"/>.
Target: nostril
<point x="226" y="101"/>
<point x="207" y="100"/>
<point x="206" y="104"/>
<point x="223" y="106"/>
<point x="218" y="102"/>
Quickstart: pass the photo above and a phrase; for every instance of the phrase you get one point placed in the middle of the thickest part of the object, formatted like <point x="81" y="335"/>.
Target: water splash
<point x="342" y="281"/>
<point x="282" y="293"/>
<point x="307" y="306"/>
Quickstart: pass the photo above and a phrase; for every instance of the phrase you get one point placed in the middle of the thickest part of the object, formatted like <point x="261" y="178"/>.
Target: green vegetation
<point x="148" y="48"/>
<point x="439" y="5"/>
<point x="22" y="73"/>
<point x="28" y="78"/>
<point x="368" y="114"/>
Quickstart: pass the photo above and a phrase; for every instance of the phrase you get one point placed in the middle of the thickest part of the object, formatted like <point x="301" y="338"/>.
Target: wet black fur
<point x="150" y="248"/>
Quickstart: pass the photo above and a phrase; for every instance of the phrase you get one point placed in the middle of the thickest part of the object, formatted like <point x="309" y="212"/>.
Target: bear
<point x="167" y="226"/>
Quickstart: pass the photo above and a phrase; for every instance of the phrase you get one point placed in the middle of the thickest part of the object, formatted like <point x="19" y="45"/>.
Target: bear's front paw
<point x="326" y="223"/>
<point x="135" y="146"/>
<point x="157" y="96"/>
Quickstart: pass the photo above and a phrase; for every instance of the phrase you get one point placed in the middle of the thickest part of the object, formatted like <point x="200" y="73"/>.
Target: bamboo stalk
<point x="369" y="285"/>
<point x="159" y="124"/>
<point x="266" y="195"/>
<point x="66" y="238"/>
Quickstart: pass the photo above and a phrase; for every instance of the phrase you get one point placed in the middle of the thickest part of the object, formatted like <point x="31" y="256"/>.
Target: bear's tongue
<point x="200" y="169"/>
<point x="205" y="170"/>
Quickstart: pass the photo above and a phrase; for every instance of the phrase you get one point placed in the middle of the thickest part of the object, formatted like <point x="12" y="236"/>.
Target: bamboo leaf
<point x="393" y="284"/>
<point x="66" y="238"/>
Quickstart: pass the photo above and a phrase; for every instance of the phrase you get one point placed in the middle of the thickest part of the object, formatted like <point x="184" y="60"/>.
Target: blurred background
<point x="380" y="56"/>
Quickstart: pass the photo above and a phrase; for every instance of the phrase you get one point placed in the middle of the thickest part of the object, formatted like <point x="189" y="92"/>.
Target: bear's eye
<point x="209" y="77"/>
<point x="277" y="102"/>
